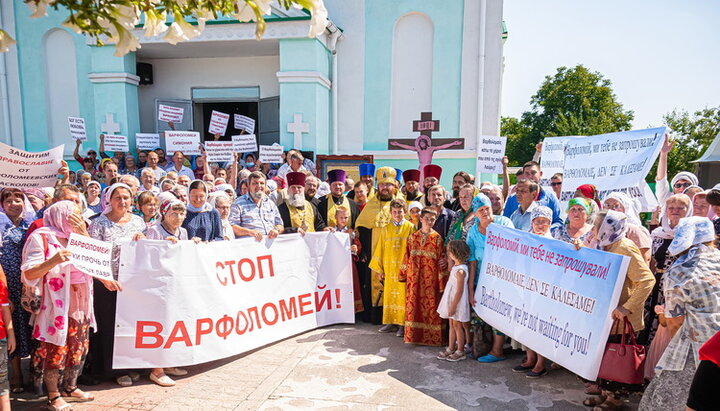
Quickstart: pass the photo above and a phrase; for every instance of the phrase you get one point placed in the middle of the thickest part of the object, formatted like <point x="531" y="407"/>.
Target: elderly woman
<point x="701" y="208"/>
<point x="476" y="238"/>
<point x="62" y="325"/>
<point x="576" y="228"/>
<point x="494" y="193"/>
<point x="692" y="314"/>
<point x="13" y="230"/>
<point x="465" y="215"/>
<point x="166" y="185"/>
<point x="117" y="223"/>
<point x="202" y="220"/>
<point x="639" y="235"/>
<point x="609" y="229"/>
<point x="220" y="201"/>
<point x="37" y="198"/>
<point x="92" y="195"/>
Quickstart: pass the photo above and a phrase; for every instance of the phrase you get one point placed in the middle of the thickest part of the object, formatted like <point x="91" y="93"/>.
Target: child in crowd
<point x="454" y="304"/>
<point x="386" y="261"/>
<point x="7" y="344"/>
<point x="342" y="218"/>
<point x="414" y="213"/>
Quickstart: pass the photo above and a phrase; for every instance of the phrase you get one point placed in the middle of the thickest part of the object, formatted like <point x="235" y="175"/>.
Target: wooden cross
<point x="297" y="128"/>
<point x="425" y="126"/>
<point x="110" y="126"/>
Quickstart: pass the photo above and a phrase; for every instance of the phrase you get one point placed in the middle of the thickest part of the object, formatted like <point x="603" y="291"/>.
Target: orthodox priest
<point x="298" y="214"/>
<point x="337" y="198"/>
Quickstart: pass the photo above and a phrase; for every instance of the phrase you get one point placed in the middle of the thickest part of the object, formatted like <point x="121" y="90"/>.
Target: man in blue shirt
<point x="531" y="171"/>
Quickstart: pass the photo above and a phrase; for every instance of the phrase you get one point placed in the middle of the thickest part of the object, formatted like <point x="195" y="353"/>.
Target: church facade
<point x="353" y="90"/>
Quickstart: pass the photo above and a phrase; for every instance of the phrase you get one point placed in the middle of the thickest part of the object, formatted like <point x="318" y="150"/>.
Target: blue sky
<point x="659" y="55"/>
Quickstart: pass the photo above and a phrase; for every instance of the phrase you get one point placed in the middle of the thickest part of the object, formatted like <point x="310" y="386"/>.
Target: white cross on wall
<point x="297" y="128"/>
<point x="110" y="126"/>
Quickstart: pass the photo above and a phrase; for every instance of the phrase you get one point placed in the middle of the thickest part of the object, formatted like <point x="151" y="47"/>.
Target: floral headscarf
<point x="168" y="205"/>
<point x="581" y="202"/>
<point x="691" y="234"/>
<point x="541" y="211"/>
<point x="590" y="192"/>
<point x="612" y="229"/>
<point x="480" y="200"/>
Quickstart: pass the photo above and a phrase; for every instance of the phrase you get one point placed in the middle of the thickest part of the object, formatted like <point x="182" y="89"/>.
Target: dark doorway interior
<point x="249" y="109"/>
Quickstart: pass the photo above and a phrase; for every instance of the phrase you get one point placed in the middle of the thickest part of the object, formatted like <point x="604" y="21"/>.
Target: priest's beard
<point x="386" y="195"/>
<point x="456" y="193"/>
<point x="411" y="194"/>
<point x="297" y="200"/>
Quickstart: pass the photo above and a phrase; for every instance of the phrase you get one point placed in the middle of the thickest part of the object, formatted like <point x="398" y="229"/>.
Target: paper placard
<point x="116" y="142"/>
<point x="271" y="154"/>
<point x="218" y="123"/>
<point x="244" y="123"/>
<point x="186" y="141"/>
<point x="22" y="169"/>
<point x="244" y="143"/>
<point x="170" y="114"/>
<point x="77" y="128"/>
<point x="91" y="256"/>
<point x="147" y="141"/>
<point x="219" y="151"/>
<point x="490" y="153"/>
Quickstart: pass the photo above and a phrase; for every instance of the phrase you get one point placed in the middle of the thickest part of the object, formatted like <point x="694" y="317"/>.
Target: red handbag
<point x="624" y="362"/>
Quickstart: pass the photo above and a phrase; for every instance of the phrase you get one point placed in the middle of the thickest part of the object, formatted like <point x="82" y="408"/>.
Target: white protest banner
<point x="244" y="123"/>
<point x="613" y="162"/>
<point x="77" y="128"/>
<point x="552" y="298"/>
<point x="170" y="114"/>
<point x="91" y="256"/>
<point x="186" y="303"/>
<point x="490" y="153"/>
<point x="218" y="123"/>
<point x="553" y="159"/>
<point x="219" y="151"/>
<point x="244" y="143"/>
<point x="186" y="141"/>
<point x="23" y="169"/>
<point x="116" y="142"/>
<point x="271" y="154"/>
<point x="147" y="141"/>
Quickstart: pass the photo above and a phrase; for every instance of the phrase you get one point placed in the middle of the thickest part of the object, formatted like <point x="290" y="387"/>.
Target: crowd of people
<point x="417" y="249"/>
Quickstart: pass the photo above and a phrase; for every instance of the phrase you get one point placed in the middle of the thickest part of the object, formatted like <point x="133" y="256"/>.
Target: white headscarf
<point x="107" y="195"/>
<point x="631" y="206"/>
<point x="684" y="175"/>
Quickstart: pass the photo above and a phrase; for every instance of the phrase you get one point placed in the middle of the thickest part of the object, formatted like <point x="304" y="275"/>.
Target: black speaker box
<point x="145" y="72"/>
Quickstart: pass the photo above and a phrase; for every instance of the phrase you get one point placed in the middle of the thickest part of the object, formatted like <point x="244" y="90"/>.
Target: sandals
<point x="64" y="407"/>
<point x="457" y="356"/>
<point x="84" y="397"/>
<point x="444" y="354"/>
<point x="593" y="401"/>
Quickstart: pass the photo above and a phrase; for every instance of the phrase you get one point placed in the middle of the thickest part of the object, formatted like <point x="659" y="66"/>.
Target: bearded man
<point x="337" y="198"/>
<point x="297" y="213"/>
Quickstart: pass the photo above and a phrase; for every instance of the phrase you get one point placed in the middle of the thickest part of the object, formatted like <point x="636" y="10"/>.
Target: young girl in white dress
<point x="454" y="304"/>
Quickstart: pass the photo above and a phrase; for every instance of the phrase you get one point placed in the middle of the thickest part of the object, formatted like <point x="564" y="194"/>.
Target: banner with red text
<point x="187" y="303"/>
<point x="552" y="298"/>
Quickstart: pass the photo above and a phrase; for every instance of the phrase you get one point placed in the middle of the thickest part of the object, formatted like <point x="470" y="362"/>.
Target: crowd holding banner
<point x="110" y="267"/>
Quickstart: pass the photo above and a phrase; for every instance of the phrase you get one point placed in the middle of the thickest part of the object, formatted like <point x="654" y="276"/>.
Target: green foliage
<point x="574" y="101"/>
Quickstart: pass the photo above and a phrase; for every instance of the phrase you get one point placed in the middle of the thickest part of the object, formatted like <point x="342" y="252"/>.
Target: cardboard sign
<point x="92" y="257"/>
<point x="219" y="151"/>
<point x="22" y="169"/>
<point x="77" y="128"/>
<point x="244" y="143"/>
<point x="147" y="141"/>
<point x="115" y="142"/>
<point x="490" y="153"/>
<point x="170" y="114"/>
<point x="271" y="154"/>
<point x="218" y="123"/>
<point x="244" y="123"/>
<point x="186" y="141"/>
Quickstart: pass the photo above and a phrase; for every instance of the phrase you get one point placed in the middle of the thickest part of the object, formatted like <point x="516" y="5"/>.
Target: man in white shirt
<point x="178" y="160"/>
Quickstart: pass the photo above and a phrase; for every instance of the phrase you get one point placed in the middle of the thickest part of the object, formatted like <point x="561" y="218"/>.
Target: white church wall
<point x="174" y="79"/>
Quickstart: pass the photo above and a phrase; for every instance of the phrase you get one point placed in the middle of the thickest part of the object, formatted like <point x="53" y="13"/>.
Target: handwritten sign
<point x="244" y="123"/>
<point x="22" y="169"/>
<point x="219" y="151"/>
<point x="147" y="141"/>
<point x="271" y="154"/>
<point x="91" y="256"/>
<point x="115" y="142"/>
<point x="188" y="142"/>
<point x="170" y="114"/>
<point x="244" y="143"/>
<point x="77" y="128"/>
<point x="218" y="122"/>
<point x="490" y="153"/>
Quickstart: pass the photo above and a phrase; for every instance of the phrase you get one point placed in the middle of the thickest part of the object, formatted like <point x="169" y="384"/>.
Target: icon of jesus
<point x="424" y="149"/>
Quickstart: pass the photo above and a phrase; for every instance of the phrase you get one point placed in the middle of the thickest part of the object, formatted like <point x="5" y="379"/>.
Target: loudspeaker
<point x="144" y="71"/>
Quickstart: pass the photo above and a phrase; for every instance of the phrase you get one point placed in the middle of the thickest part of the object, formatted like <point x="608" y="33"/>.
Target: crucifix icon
<point x="110" y="126"/>
<point x="297" y="128"/>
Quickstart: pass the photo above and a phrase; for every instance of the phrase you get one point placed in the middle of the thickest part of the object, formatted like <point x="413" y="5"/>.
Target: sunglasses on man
<point x="555" y="184"/>
<point x="92" y="153"/>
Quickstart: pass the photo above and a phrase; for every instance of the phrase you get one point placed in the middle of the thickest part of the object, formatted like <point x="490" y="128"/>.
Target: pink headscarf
<point x="56" y="218"/>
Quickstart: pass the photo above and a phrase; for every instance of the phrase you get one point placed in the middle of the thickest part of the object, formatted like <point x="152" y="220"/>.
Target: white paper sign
<point x="77" y="128"/>
<point x="92" y="257"/>
<point x="244" y="143"/>
<point x="186" y="141"/>
<point x="271" y="154"/>
<point x="147" y="141"/>
<point x="553" y="159"/>
<point x="170" y="114"/>
<point x="490" y="153"/>
<point x="22" y="169"/>
<point x="116" y="142"/>
<point x="219" y="151"/>
<point x="218" y="123"/>
<point x="244" y="123"/>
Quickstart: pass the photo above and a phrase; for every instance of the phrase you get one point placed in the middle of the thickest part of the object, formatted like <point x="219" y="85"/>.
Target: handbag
<point x="31" y="298"/>
<point x="482" y="340"/>
<point x="624" y="362"/>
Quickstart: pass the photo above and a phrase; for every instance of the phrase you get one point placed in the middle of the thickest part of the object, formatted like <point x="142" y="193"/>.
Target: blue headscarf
<point x="480" y="200"/>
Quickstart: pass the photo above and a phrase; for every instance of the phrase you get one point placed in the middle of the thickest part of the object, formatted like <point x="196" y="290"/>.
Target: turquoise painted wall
<point x="380" y="19"/>
<point x="450" y="166"/>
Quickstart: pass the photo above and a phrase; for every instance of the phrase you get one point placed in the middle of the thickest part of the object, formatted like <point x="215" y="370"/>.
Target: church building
<point x="357" y="89"/>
